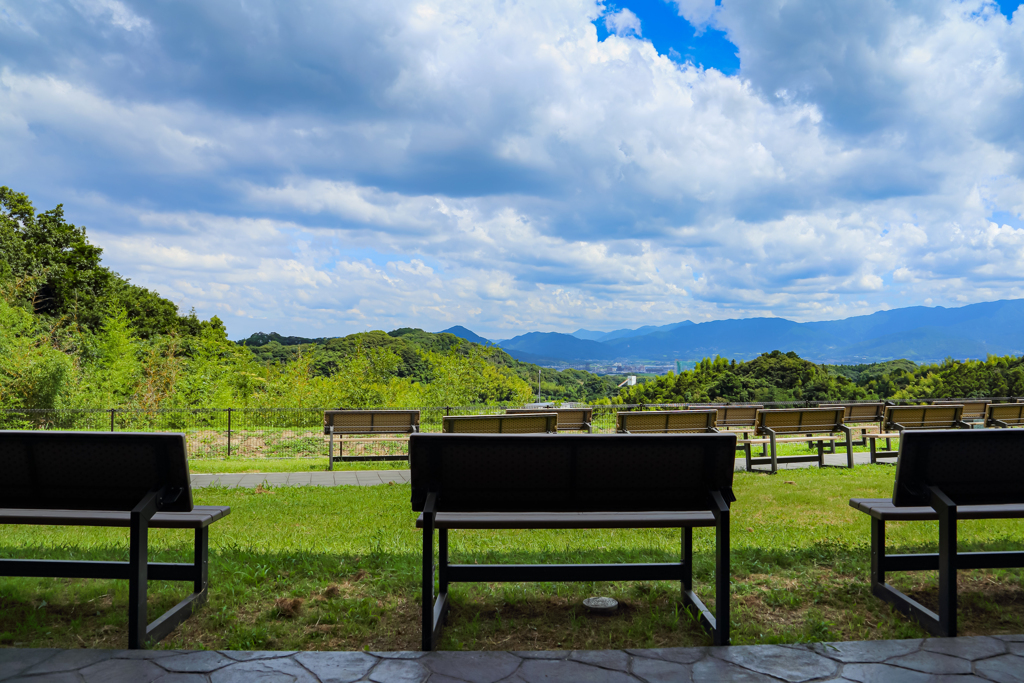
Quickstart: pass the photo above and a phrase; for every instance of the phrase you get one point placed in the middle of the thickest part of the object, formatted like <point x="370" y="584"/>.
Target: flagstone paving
<point x="945" y="660"/>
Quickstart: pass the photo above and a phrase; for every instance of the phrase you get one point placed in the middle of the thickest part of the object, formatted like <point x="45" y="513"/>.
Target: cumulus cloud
<point x="314" y="166"/>
<point x="623" y="23"/>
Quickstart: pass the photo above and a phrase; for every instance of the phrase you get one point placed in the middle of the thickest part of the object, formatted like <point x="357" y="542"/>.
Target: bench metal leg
<point x="687" y="558"/>
<point x="442" y="561"/>
<point x="138" y="563"/>
<point x="943" y="623"/>
<point x="330" y="450"/>
<point x="434" y="610"/>
<point x="947" y="562"/>
<point x="722" y="571"/>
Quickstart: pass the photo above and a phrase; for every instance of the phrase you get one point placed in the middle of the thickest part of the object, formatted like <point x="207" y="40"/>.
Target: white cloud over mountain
<point x="322" y="167"/>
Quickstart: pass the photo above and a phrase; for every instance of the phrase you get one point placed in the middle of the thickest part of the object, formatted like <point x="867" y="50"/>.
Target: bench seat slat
<point x="570" y="520"/>
<point x="201" y="516"/>
<point x="882" y="508"/>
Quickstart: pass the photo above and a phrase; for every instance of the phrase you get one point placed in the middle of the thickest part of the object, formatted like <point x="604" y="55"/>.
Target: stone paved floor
<point x="946" y="660"/>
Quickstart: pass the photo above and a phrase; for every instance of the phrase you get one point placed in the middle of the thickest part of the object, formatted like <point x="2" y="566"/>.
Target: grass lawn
<point x="338" y="568"/>
<point x="232" y="465"/>
<point x="310" y="460"/>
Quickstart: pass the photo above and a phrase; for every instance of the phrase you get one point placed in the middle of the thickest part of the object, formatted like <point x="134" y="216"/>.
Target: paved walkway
<point x="982" y="658"/>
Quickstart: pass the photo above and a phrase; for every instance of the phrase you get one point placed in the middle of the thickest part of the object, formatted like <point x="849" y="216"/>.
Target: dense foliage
<point x="778" y="376"/>
<point x="74" y="334"/>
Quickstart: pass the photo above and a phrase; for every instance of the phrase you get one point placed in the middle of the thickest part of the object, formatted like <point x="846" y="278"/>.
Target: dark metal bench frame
<point x="859" y="416"/>
<point x="563" y="426"/>
<point x="470" y="424"/>
<point x="330" y="429"/>
<point x="1010" y="415"/>
<point x="151" y="469"/>
<point x="779" y="432"/>
<point x="893" y="427"/>
<point x="946" y="476"/>
<point x="479" y="481"/>
<point x="706" y="417"/>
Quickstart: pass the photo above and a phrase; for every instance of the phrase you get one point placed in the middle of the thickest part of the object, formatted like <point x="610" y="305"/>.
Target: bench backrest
<point x="568" y="418"/>
<point x="922" y="417"/>
<point x="800" y="420"/>
<point x="737" y="417"/>
<point x="857" y="413"/>
<point x="571" y="472"/>
<point x="971" y="466"/>
<point x="1009" y="414"/>
<point x="531" y="423"/>
<point x="666" y="421"/>
<point x="371" y="421"/>
<point x="93" y="470"/>
<point x="973" y="410"/>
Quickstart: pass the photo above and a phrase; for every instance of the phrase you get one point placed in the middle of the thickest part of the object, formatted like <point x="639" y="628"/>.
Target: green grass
<point x="233" y="465"/>
<point x="312" y="460"/>
<point x="338" y="568"/>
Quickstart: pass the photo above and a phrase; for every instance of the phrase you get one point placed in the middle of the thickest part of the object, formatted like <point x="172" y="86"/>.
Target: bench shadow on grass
<point x="328" y="601"/>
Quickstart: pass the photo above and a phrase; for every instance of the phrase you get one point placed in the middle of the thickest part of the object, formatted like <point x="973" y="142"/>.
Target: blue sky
<point x="318" y="167"/>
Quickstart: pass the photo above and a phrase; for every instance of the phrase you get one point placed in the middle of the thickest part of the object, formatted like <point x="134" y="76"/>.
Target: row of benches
<point x="512" y="481"/>
<point x="831" y="425"/>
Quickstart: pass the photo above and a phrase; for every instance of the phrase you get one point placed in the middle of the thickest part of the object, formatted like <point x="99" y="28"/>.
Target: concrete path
<point x="982" y="658"/>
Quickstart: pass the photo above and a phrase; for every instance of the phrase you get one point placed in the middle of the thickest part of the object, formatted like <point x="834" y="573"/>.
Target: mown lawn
<point x="338" y="568"/>
<point x="310" y="459"/>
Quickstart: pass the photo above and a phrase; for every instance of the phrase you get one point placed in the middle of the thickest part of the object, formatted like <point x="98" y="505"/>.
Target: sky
<point x="323" y="167"/>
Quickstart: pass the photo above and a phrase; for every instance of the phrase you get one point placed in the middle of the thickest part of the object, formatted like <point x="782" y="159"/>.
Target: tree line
<point x="74" y="334"/>
<point x="778" y="377"/>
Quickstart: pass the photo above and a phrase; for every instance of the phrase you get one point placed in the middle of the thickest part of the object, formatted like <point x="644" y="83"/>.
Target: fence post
<point x="112" y="411"/>
<point x="229" y="432"/>
<point x="447" y="410"/>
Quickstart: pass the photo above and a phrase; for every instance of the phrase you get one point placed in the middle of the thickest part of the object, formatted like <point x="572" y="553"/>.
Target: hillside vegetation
<point x="778" y="376"/>
<point x="74" y="334"/>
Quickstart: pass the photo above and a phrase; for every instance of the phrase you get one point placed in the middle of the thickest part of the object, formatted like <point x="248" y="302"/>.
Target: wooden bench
<point x="356" y="423"/>
<point x="974" y="409"/>
<point x="575" y="481"/>
<point x="947" y="476"/>
<point x="138" y="481"/>
<point x="862" y="416"/>
<point x="741" y="419"/>
<point x="811" y="425"/>
<point x="666" y="422"/>
<point x="899" y="419"/>
<point x="569" y="419"/>
<point x="530" y="423"/>
<point x="1004" y="415"/>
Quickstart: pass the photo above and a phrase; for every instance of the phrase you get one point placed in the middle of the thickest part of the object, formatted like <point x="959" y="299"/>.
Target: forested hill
<point x="74" y="334"/>
<point x="778" y="376"/>
<point x="410" y="345"/>
<point x="51" y="269"/>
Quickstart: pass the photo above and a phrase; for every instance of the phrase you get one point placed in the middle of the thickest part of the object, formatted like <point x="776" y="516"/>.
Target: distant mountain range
<point x="918" y="333"/>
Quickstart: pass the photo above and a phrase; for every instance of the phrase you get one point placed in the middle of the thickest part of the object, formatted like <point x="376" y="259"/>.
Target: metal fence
<point x="290" y="432"/>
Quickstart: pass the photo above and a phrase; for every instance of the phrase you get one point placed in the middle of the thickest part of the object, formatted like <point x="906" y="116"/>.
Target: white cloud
<point x="495" y="165"/>
<point x="113" y="11"/>
<point x="700" y="13"/>
<point x="623" y="23"/>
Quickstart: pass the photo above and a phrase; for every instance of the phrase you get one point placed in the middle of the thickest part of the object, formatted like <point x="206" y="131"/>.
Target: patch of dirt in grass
<point x="987" y="604"/>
